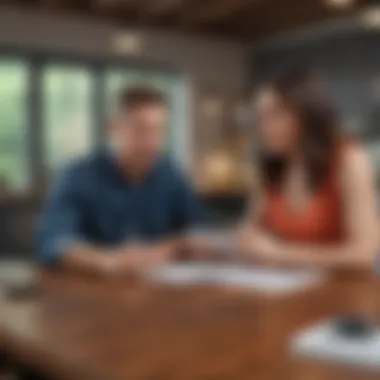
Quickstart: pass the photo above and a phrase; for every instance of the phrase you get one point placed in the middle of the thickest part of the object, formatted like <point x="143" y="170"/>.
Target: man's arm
<point x="60" y="237"/>
<point x="142" y="256"/>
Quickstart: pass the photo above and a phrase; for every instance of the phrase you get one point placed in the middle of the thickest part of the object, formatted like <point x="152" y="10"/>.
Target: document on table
<point x="16" y="272"/>
<point x="239" y="276"/>
<point x="323" y="343"/>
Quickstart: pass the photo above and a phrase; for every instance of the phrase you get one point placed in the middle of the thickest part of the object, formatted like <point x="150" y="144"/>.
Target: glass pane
<point x="115" y="82"/>
<point x="13" y="125"/>
<point x="67" y="113"/>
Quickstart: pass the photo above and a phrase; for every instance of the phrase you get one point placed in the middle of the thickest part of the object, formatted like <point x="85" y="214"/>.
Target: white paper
<point x="20" y="317"/>
<point x="323" y="343"/>
<point x="14" y="272"/>
<point x="245" y="277"/>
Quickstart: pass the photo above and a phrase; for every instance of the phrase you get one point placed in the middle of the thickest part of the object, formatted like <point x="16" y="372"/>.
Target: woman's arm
<point x="358" y="199"/>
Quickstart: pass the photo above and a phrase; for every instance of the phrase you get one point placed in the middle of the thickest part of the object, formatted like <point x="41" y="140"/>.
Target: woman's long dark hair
<point x="302" y="91"/>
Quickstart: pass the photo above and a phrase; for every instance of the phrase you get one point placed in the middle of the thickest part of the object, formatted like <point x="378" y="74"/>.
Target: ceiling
<point x="245" y="19"/>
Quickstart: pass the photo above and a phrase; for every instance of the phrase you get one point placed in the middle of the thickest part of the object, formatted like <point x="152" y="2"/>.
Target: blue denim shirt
<point x="93" y="201"/>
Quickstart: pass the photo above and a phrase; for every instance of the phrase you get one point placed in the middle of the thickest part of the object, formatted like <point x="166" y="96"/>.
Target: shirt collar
<point x="117" y="173"/>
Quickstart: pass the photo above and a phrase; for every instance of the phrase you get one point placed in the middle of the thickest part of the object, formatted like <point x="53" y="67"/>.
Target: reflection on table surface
<point x="79" y="328"/>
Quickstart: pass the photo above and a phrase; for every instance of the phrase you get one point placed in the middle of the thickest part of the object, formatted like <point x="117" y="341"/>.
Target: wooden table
<point x="80" y="328"/>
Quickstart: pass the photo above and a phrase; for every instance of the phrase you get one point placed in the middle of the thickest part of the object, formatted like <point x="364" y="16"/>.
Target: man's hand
<point x="266" y="248"/>
<point x="212" y="244"/>
<point x="137" y="257"/>
<point x="123" y="260"/>
<point x="95" y="260"/>
<point x="199" y="247"/>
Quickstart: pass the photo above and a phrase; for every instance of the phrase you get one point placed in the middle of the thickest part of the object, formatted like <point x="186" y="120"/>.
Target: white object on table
<point x="322" y="342"/>
<point x="267" y="280"/>
<point x="18" y="273"/>
<point x="14" y="314"/>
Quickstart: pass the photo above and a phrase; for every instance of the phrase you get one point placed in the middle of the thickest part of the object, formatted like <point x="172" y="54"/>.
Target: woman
<point x="313" y="200"/>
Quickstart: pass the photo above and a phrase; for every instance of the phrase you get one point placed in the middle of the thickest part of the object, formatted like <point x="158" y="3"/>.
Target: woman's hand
<point x="200" y="247"/>
<point x="243" y="238"/>
<point x="266" y="248"/>
<point x="254" y="244"/>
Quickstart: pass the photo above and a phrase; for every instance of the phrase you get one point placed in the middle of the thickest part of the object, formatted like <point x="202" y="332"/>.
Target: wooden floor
<point x="80" y="328"/>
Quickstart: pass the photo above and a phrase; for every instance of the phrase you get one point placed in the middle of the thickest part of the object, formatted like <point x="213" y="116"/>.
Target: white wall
<point x="208" y="63"/>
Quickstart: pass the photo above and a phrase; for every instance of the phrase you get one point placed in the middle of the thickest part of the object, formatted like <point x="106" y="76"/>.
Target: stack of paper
<point x="245" y="277"/>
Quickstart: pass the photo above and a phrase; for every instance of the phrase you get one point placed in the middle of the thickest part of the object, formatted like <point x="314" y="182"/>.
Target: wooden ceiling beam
<point x="163" y="12"/>
<point x="19" y="2"/>
<point x="112" y="4"/>
<point x="162" y="7"/>
<point x="296" y="14"/>
<point x="53" y="3"/>
<point x="64" y="4"/>
<point x="214" y="11"/>
<point x="243" y="18"/>
<point x="288" y="15"/>
<point x="123" y="12"/>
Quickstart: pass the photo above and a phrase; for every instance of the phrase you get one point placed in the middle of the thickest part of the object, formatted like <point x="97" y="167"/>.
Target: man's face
<point x="138" y="134"/>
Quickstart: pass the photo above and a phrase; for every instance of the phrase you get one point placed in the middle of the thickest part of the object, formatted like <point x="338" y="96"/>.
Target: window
<point x="67" y="113"/>
<point x="65" y="97"/>
<point x="14" y="171"/>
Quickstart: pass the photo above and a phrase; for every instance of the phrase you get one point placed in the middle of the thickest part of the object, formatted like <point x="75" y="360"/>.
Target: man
<point x="122" y="208"/>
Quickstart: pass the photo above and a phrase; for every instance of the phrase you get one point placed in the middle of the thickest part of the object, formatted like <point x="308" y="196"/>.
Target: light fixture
<point x="370" y="18"/>
<point x="218" y="168"/>
<point x="339" y="4"/>
<point x="125" y="43"/>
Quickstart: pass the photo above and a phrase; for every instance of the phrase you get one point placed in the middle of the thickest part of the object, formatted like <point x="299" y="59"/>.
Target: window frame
<point x="98" y="68"/>
<point x="28" y="135"/>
